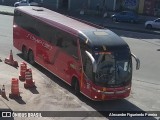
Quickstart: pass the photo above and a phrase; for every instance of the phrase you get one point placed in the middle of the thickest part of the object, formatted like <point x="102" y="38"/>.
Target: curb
<point x="6" y="13"/>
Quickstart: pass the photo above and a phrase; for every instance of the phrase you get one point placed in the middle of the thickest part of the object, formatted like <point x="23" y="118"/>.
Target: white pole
<point x="57" y="4"/>
<point x="89" y="2"/>
<point x="114" y="5"/>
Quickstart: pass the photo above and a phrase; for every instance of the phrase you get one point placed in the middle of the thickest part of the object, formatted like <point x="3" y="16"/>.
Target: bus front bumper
<point x="110" y="93"/>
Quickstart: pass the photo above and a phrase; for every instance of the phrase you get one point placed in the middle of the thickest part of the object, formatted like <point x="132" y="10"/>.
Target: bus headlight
<point x="128" y="87"/>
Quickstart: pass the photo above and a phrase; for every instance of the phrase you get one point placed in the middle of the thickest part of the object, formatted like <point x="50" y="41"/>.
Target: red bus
<point x="95" y="62"/>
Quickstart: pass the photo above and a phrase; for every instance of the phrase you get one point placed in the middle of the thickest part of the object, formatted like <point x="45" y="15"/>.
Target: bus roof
<point x="54" y="18"/>
<point x="95" y="36"/>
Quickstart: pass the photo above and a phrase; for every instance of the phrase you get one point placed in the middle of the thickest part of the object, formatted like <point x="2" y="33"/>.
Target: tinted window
<point x="67" y="42"/>
<point x="34" y="26"/>
<point x="46" y="32"/>
<point x="53" y="35"/>
<point x="26" y="22"/>
<point x="17" y="18"/>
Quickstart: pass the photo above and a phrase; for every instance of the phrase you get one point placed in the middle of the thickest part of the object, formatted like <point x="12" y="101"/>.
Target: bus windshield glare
<point x="112" y="70"/>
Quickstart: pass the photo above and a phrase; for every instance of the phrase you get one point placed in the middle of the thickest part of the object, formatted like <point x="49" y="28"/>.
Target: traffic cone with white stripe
<point x="29" y="82"/>
<point x="14" y="88"/>
<point x="23" y="68"/>
<point x="3" y="92"/>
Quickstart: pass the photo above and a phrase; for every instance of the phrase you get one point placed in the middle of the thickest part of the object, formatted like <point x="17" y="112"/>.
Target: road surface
<point x="52" y="94"/>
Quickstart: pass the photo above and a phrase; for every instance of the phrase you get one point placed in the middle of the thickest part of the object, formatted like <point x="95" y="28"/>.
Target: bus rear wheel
<point x="31" y="57"/>
<point x="25" y="53"/>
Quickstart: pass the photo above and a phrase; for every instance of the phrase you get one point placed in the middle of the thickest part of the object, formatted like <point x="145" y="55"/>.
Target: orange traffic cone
<point x="3" y="93"/>
<point x="23" y="68"/>
<point x="29" y="82"/>
<point x="11" y="56"/>
<point x="11" y="61"/>
<point x="14" y="88"/>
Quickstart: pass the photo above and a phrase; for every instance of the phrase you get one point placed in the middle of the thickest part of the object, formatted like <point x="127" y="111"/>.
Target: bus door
<point x="87" y="73"/>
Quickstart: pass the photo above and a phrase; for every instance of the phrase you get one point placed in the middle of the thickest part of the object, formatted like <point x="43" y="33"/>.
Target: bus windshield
<point x="112" y="70"/>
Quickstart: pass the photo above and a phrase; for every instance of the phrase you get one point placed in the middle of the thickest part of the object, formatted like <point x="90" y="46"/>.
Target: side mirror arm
<point x="93" y="61"/>
<point x="137" y="61"/>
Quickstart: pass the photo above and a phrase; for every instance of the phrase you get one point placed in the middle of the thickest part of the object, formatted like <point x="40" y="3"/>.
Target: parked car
<point x="25" y="3"/>
<point x="153" y="24"/>
<point x="125" y="16"/>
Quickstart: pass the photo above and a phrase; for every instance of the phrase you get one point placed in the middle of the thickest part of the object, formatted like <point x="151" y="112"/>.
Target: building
<point x="102" y="5"/>
<point x="147" y="7"/>
<point x="64" y="4"/>
<point x="151" y="7"/>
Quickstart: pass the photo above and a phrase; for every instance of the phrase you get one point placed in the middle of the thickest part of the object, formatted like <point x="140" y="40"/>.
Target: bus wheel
<point x="24" y="53"/>
<point x="76" y="87"/>
<point x="31" y="57"/>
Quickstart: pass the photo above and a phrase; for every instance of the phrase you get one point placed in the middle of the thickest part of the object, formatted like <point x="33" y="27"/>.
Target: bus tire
<point x="76" y="87"/>
<point x="24" y="53"/>
<point x="31" y="57"/>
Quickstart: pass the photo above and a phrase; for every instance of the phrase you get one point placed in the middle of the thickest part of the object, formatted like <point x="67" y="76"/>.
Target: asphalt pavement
<point x="108" y="23"/>
<point x="101" y="21"/>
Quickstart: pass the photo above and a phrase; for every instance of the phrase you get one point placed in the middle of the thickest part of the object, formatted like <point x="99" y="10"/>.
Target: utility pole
<point x="114" y="5"/>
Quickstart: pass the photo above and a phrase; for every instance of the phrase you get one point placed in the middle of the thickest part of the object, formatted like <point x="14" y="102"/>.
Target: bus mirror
<point x="93" y="61"/>
<point x="137" y="61"/>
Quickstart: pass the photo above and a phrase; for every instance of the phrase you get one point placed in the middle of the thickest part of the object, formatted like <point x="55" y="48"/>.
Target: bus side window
<point x="52" y="37"/>
<point x="30" y="25"/>
<point x="17" y="17"/>
<point x="59" y="41"/>
<point x="67" y="42"/>
<point x="26" y="22"/>
<point x="44" y="30"/>
<point x="70" y="46"/>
